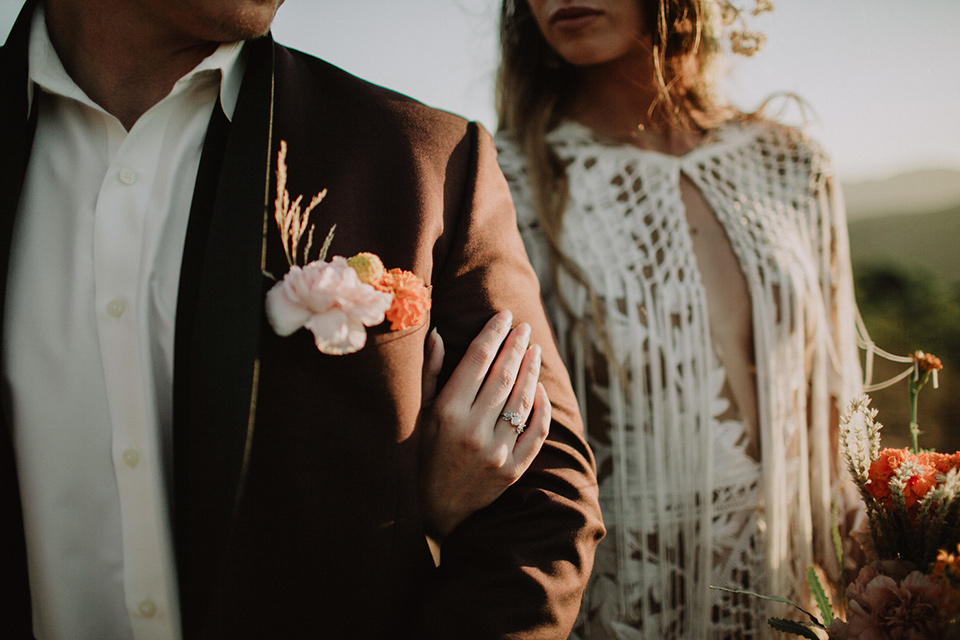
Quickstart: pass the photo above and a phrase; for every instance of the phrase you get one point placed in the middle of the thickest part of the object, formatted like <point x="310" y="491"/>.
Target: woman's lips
<point x="574" y="18"/>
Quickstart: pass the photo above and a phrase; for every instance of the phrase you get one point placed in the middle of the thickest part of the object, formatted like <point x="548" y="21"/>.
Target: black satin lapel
<point x="18" y="127"/>
<point x="218" y="323"/>
<point x="194" y="249"/>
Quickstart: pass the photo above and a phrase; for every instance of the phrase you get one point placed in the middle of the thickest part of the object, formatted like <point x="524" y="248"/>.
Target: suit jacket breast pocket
<point x="383" y="335"/>
<point x="396" y="359"/>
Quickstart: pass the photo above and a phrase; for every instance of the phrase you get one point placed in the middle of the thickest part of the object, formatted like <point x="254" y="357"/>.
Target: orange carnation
<point x="411" y="298"/>
<point x="921" y="480"/>
<point x="926" y="362"/>
<point x="919" y="473"/>
<point x="881" y="470"/>
<point x="943" y="462"/>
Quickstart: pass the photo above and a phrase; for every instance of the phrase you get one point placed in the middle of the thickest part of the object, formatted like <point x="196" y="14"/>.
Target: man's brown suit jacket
<point x="295" y="503"/>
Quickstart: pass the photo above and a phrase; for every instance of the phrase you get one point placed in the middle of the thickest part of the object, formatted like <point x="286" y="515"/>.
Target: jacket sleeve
<point x="517" y="568"/>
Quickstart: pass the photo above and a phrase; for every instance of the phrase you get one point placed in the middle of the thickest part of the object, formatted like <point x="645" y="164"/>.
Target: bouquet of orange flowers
<point x="912" y="497"/>
<point x="912" y="500"/>
<point x="911" y="588"/>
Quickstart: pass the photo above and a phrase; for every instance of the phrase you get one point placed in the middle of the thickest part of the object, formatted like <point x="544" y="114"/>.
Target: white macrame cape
<point x="655" y="428"/>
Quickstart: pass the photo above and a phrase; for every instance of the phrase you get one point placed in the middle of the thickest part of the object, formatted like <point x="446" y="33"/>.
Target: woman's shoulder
<point x="789" y="141"/>
<point x="512" y="161"/>
<point x="565" y="135"/>
<point x="509" y="153"/>
<point x="764" y="147"/>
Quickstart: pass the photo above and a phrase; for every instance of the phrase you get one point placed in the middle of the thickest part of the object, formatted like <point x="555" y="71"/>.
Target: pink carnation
<point x="329" y="299"/>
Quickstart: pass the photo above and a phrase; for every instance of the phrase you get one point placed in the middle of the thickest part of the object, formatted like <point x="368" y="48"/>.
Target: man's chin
<point x="245" y="34"/>
<point x="237" y="35"/>
<point x="248" y="24"/>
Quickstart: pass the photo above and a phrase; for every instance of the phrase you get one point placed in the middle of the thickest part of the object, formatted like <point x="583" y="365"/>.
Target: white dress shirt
<point x="89" y="337"/>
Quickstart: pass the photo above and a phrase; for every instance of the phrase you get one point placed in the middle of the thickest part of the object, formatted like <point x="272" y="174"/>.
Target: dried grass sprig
<point x="291" y="221"/>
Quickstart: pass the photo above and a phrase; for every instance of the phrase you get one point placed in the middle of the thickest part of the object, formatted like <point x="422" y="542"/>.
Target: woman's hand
<point x="485" y="427"/>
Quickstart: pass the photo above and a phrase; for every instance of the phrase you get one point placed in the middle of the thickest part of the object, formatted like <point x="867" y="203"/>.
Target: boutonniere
<point x="335" y="299"/>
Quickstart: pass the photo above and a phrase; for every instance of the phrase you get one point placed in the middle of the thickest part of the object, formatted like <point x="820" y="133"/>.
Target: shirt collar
<point x="46" y="70"/>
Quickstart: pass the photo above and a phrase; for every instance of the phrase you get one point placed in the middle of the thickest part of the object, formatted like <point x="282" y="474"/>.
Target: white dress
<point x="685" y="506"/>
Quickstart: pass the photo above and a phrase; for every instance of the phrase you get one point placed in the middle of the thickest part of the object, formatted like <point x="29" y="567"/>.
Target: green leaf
<point x="837" y="541"/>
<point x="793" y="604"/>
<point x="791" y="626"/>
<point x="823" y="603"/>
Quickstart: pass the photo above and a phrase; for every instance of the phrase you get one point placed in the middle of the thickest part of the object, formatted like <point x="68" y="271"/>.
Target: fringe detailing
<point x="685" y="506"/>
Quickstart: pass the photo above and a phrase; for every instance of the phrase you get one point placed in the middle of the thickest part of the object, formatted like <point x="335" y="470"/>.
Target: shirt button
<point x="147" y="609"/>
<point x="127" y="175"/>
<point x="116" y="307"/>
<point x="131" y="457"/>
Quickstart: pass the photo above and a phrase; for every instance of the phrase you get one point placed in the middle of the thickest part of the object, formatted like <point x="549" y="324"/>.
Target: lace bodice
<point x="685" y="507"/>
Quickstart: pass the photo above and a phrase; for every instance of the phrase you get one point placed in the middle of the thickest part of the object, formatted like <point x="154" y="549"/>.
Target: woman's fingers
<point x="538" y="426"/>
<point x="516" y="411"/>
<point x="466" y="380"/>
<point x="503" y="373"/>
<point x="472" y="453"/>
<point x="432" y="363"/>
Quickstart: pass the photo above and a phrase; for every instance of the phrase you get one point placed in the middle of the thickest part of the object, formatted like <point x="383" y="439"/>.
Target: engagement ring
<point x="514" y="419"/>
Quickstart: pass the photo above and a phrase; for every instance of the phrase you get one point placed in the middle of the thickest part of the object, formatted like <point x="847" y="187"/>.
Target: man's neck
<point x="121" y="60"/>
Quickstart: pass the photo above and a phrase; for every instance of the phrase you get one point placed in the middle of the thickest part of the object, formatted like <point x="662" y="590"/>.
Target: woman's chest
<point x="676" y="229"/>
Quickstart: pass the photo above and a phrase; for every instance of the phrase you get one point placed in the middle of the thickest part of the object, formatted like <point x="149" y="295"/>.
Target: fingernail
<point x="536" y="354"/>
<point x="523" y="330"/>
<point x="505" y="318"/>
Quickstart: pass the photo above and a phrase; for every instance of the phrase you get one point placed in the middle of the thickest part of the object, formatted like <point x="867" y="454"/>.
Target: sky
<point x="882" y="77"/>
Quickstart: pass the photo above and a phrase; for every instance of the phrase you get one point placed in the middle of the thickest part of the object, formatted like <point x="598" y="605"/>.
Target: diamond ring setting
<point x="514" y="419"/>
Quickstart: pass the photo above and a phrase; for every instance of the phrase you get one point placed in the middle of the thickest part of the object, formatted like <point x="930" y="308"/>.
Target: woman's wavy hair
<point x="534" y="86"/>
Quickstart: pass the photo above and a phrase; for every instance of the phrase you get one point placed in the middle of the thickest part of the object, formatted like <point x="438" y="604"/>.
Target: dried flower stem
<point x="744" y="41"/>
<point x="326" y="243"/>
<point x="291" y="221"/>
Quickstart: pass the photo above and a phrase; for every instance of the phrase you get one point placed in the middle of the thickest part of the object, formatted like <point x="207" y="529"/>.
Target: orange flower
<point x="920" y="480"/>
<point x="947" y="563"/>
<point x="926" y="361"/>
<point x="948" y="461"/>
<point x="411" y="298"/>
<point x="881" y="470"/>
<point x="942" y="462"/>
<point x="946" y="571"/>
<point x="919" y="474"/>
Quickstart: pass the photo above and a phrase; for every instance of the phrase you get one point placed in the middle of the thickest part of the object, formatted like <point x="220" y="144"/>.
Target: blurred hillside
<point x="923" y="191"/>
<point x="926" y="241"/>
<point x="905" y="247"/>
